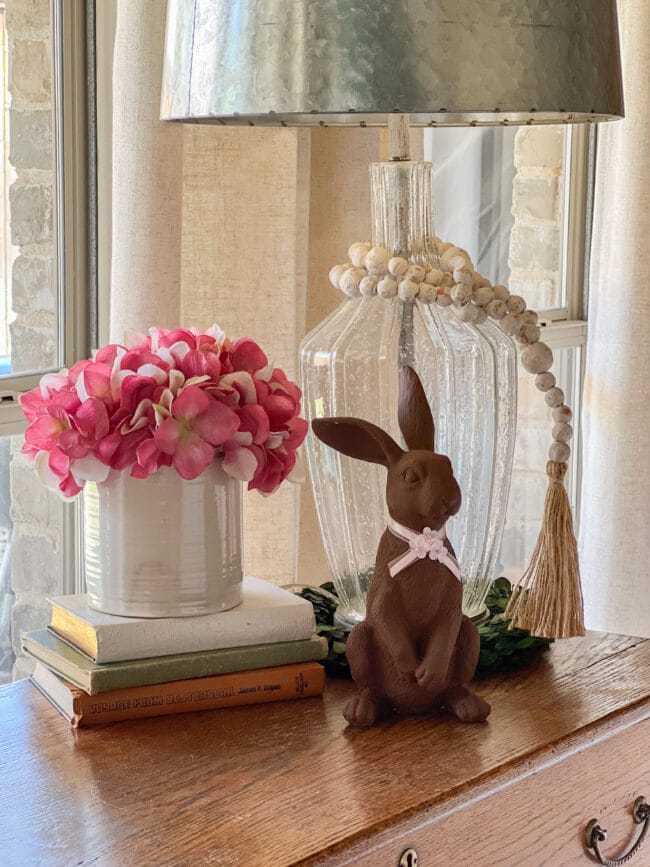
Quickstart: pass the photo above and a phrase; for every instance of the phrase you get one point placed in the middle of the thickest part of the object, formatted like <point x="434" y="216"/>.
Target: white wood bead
<point x="483" y="295"/>
<point x="376" y="256"/>
<point x="529" y="316"/>
<point x="510" y="325"/>
<point x="398" y="266"/>
<point x="559" y="452"/>
<point x="368" y="286"/>
<point x="463" y="275"/>
<point x="481" y="315"/>
<point x="358" y="252"/>
<point x="349" y="282"/>
<point x="562" y="432"/>
<point x="562" y="414"/>
<point x="528" y="333"/>
<point x="427" y="294"/>
<point x="408" y="290"/>
<point x="443" y="300"/>
<point x="468" y="313"/>
<point x="462" y="262"/>
<point x="544" y="381"/>
<point x="501" y="292"/>
<point x="379" y="271"/>
<point x="516" y="304"/>
<point x="447" y="280"/>
<point x="433" y="276"/>
<point x="496" y="309"/>
<point x="387" y="287"/>
<point x="554" y="396"/>
<point x="449" y="253"/>
<point x="335" y="275"/>
<point x="478" y="281"/>
<point x="416" y="273"/>
<point x="537" y="358"/>
<point x="443" y="246"/>
<point x="461" y="294"/>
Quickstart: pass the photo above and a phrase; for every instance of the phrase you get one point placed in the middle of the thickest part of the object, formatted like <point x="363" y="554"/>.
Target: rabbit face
<point x="421" y="490"/>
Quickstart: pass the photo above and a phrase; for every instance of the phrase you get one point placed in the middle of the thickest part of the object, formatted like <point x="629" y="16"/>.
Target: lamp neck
<point x="402" y="212"/>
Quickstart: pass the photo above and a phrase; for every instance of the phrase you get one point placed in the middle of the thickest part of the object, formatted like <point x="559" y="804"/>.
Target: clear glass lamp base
<point x="348" y="619"/>
<point x="350" y="367"/>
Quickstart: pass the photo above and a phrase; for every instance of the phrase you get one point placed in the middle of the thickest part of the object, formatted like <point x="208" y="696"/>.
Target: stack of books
<point x="99" y="668"/>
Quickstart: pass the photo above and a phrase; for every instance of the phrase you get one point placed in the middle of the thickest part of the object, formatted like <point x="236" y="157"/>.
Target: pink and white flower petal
<point x="135" y="339"/>
<point x="154" y="371"/>
<point x="44" y="473"/>
<point x="176" y="380"/>
<point x="43" y="432"/>
<point x="92" y="419"/>
<point x="89" y="469"/>
<point x="192" y="457"/>
<point x="217" y="423"/>
<point x="180" y="349"/>
<point x="218" y="333"/>
<point x="248" y="356"/>
<point x="240" y="463"/>
<point x="243" y="383"/>
<point x="54" y="382"/>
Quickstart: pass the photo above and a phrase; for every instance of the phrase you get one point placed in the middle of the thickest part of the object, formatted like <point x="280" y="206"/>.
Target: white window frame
<point x="74" y="143"/>
<point x="566" y="326"/>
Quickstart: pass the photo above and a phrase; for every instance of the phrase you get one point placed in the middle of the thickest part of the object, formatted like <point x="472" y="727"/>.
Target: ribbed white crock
<point x="163" y="546"/>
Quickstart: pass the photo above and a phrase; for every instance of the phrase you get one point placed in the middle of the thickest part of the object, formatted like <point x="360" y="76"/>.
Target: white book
<point x="266" y="615"/>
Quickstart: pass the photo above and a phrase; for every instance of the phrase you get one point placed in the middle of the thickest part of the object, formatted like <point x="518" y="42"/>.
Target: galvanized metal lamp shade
<point x="352" y="62"/>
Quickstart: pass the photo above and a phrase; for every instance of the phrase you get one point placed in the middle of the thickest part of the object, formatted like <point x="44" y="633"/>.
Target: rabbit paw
<point x="406" y="661"/>
<point x="427" y="677"/>
<point x="364" y="710"/>
<point x="465" y="705"/>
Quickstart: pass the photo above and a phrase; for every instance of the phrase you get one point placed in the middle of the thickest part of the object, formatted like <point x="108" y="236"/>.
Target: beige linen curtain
<point x="615" y="518"/>
<point x="237" y="226"/>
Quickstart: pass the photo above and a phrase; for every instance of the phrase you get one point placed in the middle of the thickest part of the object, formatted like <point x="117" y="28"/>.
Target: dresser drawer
<point x="537" y="816"/>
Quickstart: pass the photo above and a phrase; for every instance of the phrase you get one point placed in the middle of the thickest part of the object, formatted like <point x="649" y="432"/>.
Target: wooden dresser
<point x="568" y="740"/>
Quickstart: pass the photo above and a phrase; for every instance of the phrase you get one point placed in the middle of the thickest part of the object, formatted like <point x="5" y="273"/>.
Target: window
<point x="44" y="304"/>
<point x="516" y="198"/>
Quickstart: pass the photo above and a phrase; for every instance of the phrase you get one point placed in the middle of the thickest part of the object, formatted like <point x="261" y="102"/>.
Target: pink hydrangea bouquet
<point x="170" y="398"/>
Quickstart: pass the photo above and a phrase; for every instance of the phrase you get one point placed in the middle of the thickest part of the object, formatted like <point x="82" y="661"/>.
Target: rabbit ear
<point x="414" y="413"/>
<point x="357" y="439"/>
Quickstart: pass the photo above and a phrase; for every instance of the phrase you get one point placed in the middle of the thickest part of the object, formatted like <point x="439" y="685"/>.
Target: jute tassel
<point x="548" y="599"/>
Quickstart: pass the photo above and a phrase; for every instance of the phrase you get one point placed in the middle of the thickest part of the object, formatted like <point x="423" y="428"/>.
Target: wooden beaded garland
<point x="562" y="414"/>
<point x="374" y="271"/>
<point x="398" y="266"/>
<point x="544" y="381"/>
<point x="554" y="396"/>
<point x="562" y="432"/>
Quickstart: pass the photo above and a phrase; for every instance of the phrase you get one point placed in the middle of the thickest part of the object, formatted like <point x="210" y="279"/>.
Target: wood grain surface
<point x="533" y="815"/>
<point x="285" y="783"/>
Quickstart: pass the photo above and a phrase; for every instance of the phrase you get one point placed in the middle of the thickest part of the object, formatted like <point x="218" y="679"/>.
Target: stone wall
<point x="31" y="197"/>
<point x="36" y="547"/>
<point x="534" y="258"/>
<point x="534" y="262"/>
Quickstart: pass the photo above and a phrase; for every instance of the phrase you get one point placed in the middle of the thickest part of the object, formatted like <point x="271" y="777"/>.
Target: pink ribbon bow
<point x="429" y="543"/>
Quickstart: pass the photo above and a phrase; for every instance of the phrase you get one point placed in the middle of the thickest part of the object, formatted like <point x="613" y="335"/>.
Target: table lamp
<point x="410" y="298"/>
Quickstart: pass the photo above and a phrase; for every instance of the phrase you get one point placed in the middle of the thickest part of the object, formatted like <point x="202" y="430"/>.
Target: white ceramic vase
<point x="163" y="546"/>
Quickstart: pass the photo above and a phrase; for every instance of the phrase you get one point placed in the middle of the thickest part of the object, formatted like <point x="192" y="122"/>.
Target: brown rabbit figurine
<point x="415" y="652"/>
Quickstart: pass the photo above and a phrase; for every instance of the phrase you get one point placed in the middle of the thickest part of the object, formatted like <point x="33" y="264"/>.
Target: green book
<point x="93" y="678"/>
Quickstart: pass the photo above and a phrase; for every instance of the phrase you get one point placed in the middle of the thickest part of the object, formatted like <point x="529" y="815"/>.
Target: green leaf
<point x="502" y="650"/>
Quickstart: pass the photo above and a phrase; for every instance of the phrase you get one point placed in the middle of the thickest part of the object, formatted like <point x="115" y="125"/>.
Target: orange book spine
<point x="204" y="693"/>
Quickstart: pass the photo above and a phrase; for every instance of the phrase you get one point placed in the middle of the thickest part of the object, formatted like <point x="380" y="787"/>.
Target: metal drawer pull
<point x="595" y="835"/>
<point x="409" y="858"/>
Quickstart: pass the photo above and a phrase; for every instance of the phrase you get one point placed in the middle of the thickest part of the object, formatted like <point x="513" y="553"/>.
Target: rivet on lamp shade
<point x="352" y="62"/>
